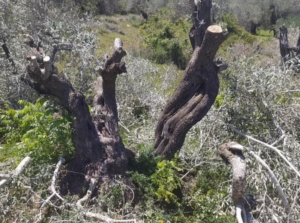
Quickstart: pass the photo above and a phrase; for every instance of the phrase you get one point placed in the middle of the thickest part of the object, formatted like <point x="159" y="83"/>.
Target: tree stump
<point x="197" y="90"/>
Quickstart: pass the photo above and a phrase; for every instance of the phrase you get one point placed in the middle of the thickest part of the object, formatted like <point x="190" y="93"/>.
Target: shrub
<point x="37" y="131"/>
<point x="167" y="40"/>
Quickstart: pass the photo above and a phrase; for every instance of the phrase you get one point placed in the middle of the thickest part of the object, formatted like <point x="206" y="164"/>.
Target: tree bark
<point x="202" y="20"/>
<point x="284" y="43"/>
<point x="198" y="89"/>
<point x="99" y="150"/>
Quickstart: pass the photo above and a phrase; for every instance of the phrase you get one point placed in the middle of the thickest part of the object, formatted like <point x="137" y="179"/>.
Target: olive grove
<point x="116" y="136"/>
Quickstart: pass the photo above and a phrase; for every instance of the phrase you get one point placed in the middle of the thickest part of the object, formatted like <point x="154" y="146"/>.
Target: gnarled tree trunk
<point x="199" y="87"/>
<point x="99" y="151"/>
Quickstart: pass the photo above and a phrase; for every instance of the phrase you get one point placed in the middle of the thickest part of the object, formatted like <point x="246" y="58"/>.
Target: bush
<point x="236" y="32"/>
<point x="167" y="40"/>
<point x="38" y="131"/>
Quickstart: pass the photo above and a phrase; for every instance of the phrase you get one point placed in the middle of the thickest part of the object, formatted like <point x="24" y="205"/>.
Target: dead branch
<point x="266" y="145"/>
<point x="232" y="153"/>
<point x="277" y="184"/>
<point x="54" y="192"/>
<point x="89" y="214"/>
<point x="20" y="168"/>
<point x="60" y="47"/>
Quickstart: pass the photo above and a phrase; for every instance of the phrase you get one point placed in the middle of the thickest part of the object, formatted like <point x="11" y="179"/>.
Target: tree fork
<point x="99" y="150"/>
<point x="198" y="89"/>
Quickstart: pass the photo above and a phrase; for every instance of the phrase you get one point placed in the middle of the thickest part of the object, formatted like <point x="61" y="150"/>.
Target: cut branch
<point x="96" y="215"/>
<point x="233" y="153"/>
<point x="60" y="47"/>
<point x="20" y="168"/>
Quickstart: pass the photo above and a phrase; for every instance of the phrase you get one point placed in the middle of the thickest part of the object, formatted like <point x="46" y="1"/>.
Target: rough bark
<point x="197" y="91"/>
<point x="284" y="43"/>
<point x="99" y="151"/>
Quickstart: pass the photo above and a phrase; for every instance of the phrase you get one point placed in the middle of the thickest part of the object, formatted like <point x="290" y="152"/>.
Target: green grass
<point x="264" y="34"/>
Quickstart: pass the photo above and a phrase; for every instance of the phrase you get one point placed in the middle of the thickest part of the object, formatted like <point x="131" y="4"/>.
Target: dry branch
<point x="20" y="168"/>
<point x="96" y="215"/>
<point x="54" y="192"/>
<point x="277" y="184"/>
<point x="232" y="153"/>
<point x="268" y="146"/>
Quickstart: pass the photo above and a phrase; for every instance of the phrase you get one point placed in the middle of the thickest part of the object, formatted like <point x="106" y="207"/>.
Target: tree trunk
<point x="253" y="28"/>
<point x="99" y="151"/>
<point x="286" y="51"/>
<point x="202" y="20"/>
<point x="284" y="43"/>
<point x="273" y="17"/>
<point x="198" y="89"/>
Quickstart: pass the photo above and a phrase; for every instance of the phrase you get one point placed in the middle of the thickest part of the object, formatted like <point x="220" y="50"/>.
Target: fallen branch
<point x="277" y="184"/>
<point x="95" y="215"/>
<point x="20" y="168"/>
<point x="266" y="145"/>
<point x="54" y="192"/>
<point x="232" y="153"/>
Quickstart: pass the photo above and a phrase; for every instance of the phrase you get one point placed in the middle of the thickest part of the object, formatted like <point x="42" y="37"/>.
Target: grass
<point x="264" y="34"/>
<point x="131" y="38"/>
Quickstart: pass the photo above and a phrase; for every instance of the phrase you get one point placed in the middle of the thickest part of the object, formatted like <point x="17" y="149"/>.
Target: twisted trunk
<point x="99" y="151"/>
<point x="198" y="89"/>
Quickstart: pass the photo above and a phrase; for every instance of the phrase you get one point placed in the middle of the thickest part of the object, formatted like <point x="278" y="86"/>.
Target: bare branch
<point x="276" y="183"/>
<point x="266" y="145"/>
<point x="100" y="217"/>
<point x="54" y="192"/>
<point x="20" y="168"/>
<point x="60" y="47"/>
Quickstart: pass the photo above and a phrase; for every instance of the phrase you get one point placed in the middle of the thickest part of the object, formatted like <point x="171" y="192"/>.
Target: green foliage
<point x="165" y="181"/>
<point x="236" y="32"/>
<point x="167" y="40"/>
<point x="156" y="178"/>
<point x="209" y="190"/>
<point x="146" y="162"/>
<point x="37" y="131"/>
